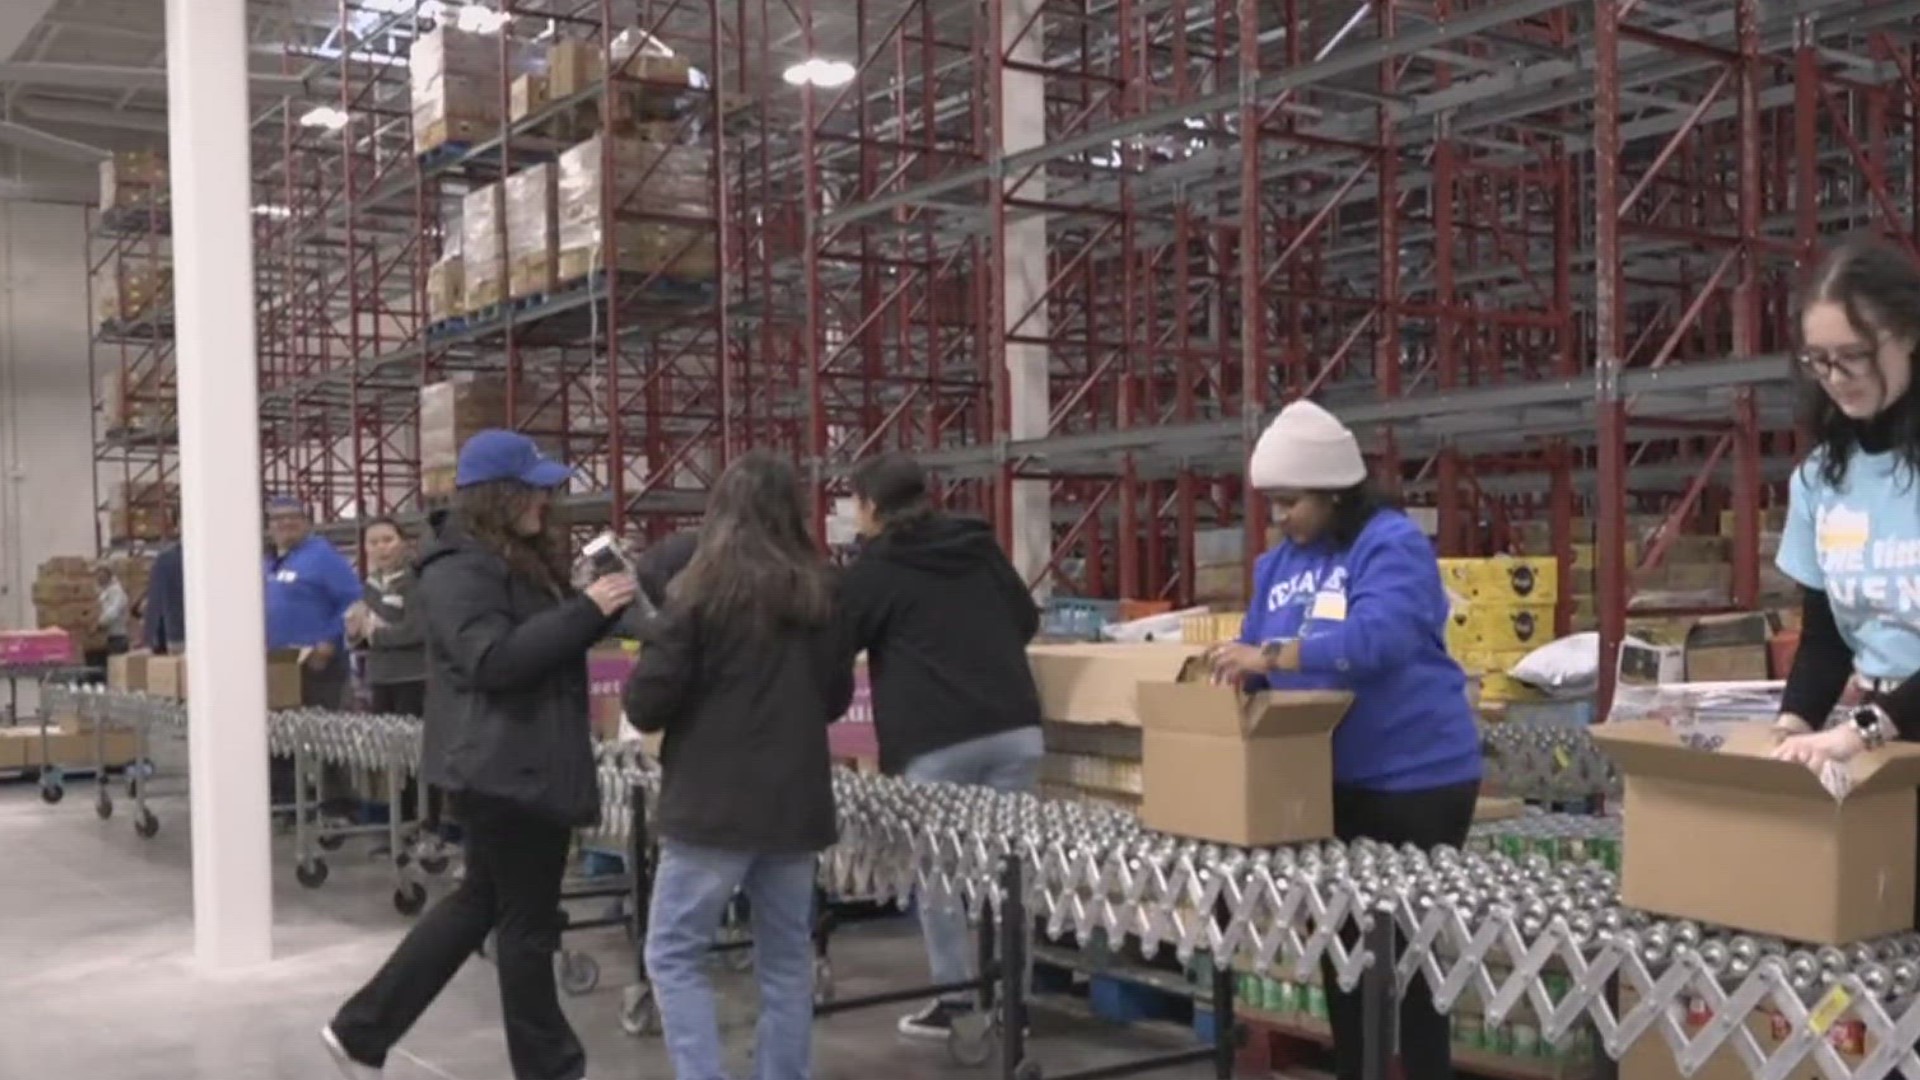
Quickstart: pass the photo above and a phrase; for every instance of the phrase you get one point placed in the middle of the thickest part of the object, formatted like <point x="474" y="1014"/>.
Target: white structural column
<point x="220" y="479"/>
<point x="1024" y="126"/>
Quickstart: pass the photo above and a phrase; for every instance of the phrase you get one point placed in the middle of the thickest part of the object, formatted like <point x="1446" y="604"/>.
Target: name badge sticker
<point x="1329" y="606"/>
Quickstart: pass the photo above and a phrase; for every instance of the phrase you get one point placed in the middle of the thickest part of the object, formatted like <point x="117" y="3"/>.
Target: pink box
<point x="21" y="648"/>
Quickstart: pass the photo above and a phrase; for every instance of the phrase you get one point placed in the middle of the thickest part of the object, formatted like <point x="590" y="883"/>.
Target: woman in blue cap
<point x="508" y="739"/>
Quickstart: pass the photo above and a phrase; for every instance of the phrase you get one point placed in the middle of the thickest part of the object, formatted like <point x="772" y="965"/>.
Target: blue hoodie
<point x="1372" y="621"/>
<point x="309" y="590"/>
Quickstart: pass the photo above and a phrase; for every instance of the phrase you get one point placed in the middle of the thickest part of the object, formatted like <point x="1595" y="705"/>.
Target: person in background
<point x="389" y="625"/>
<point x="507" y="717"/>
<point x="1352" y="600"/>
<point x="742" y="671"/>
<point x="112" y="623"/>
<point x="945" y="620"/>
<point x="310" y="587"/>
<point x="165" y="613"/>
<point x="1853" y="509"/>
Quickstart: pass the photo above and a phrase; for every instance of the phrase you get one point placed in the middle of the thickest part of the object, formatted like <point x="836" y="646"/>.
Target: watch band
<point x="1270" y="653"/>
<point x="1874" y="725"/>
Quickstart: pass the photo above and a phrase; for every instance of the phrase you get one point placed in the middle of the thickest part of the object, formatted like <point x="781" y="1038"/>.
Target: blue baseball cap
<point x="285" y="504"/>
<point x="497" y="454"/>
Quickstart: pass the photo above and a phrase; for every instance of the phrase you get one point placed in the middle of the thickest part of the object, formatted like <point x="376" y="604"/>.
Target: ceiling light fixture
<point x="819" y="73"/>
<point x="272" y="210"/>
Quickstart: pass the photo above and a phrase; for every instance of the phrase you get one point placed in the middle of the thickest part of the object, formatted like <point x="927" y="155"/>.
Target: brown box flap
<point x="1205" y="708"/>
<point x="1651" y="748"/>
<point x="1731" y="631"/>
<point x="1096" y="684"/>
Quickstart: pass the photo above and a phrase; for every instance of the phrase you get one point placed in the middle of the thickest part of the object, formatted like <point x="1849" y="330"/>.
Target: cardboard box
<point x="1644" y="664"/>
<point x="167" y="677"/>
<point x="1835" y="872"/>
<point x="1245" y="769"/>
<point x="285" y="680"/>
<point x="529" y="94"/>
<point x="1478" y="626"/>
<point x="1650" y="1058"/>
<point x="1730" y="648"/>
<point x="13" y="748"/>
<point x="572" y="66"/>
<point x="127" y="672"/>
<point x="1098" y="684"/>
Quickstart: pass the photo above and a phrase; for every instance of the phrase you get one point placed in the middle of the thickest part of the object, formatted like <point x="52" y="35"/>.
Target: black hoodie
<point x="945" y="621"/>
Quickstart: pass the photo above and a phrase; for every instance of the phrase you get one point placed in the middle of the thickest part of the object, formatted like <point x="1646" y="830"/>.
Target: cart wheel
<point x="331" y="843"/>
<point x="312" y="873"/>
<point x="823" y="989"/>
<point x="103" y="807"/>
<point x="973" y="1039"/>
<point x="435" y="864"/>
<point x="410" y="898"/>
<point x="639" y="1016"/>
<point x="146" y="825"/>
<point x="51" y="793"/>
<point x="1028" y="1070"/>
<point x="579" y="973"/>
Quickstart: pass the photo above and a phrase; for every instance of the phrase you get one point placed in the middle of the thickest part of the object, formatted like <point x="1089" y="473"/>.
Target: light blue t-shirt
<point x="1860" y="544"/>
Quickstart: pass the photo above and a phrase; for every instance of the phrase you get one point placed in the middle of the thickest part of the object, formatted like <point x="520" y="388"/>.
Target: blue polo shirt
<point x="309" y="590"/>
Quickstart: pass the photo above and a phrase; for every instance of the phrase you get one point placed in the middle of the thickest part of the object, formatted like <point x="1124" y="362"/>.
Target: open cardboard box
<point x="1098" y="684"/>
<point x="1250" y="770"/>
<point x="1733" y="837"/>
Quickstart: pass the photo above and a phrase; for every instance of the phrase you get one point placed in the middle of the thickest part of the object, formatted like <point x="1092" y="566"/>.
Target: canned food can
<point x="1317" y="1002"/>
<point x="1526" y="1040"/>
<point x="1495" y="1038"/>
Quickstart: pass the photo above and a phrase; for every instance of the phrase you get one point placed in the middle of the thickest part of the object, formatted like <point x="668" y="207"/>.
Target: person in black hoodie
<point x="506" y="715"/>
<point x="743" y="670"/>
<point x="945" y="621"/>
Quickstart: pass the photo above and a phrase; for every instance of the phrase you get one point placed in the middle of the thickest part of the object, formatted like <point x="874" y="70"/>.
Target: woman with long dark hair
<point x="1352" y="600"/>
<point x="508" y="739"/>
<point x="1853" y="512"/>
<point x="743" y="670"/>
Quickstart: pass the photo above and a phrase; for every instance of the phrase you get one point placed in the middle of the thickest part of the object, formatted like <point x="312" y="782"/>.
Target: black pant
<point x="320" y="688"/>
<point x="97" y="658"/>
<point x="1427" y="819"/>
<point x="409" y="699"/>
<point x="515" y="863"/>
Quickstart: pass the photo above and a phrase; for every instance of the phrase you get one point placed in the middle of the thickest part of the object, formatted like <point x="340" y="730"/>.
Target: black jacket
<point x="945" y="621"/>
<point x="506" y="683"/>
<point x="745" y="713"/>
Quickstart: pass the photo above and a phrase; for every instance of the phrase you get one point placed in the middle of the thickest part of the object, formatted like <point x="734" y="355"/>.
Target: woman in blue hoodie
<point x="1352" y="600"/>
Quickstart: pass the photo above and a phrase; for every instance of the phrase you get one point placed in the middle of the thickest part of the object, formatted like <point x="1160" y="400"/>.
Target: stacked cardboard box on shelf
<point x="1219" y="567"/>
<point x="532" y="231"/>
<point x="455" y="85"/>
<point x="1503" y="609"/>
<point x="131" y="290"/>
<point x="446" y="280"/>
<point x="453" y="410"/>
<point x="650" y="180"/>
<point x="133" y="400"/>
<point x="133" y="179"/>
<point x="144" y="511"/>
<point x="65" y="596"/>
<point x="483" y="248"/>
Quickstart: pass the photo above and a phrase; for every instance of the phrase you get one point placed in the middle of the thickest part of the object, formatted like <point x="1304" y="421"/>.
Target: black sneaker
<point x="935" y="1022"/>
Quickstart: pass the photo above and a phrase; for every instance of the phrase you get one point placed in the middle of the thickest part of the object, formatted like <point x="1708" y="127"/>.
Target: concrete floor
<point x="96" y="978"/>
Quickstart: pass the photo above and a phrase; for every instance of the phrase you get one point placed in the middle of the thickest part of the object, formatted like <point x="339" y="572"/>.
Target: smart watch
<point x="1873" y="724"/>
<point x="1270" y="654"/>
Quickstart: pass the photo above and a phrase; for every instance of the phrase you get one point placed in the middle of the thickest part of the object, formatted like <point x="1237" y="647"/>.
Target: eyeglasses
<point x="1849" y="360"/>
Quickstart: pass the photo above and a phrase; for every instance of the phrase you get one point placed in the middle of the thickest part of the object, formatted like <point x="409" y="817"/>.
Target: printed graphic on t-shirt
<point x="1861" y="546"/>
<point x="1304" y="584"/>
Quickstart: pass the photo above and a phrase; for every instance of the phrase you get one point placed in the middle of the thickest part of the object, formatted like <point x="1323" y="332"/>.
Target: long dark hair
<point x="490" y="512"/>
<point x="755" y="564"/>
<point x="1353" y="508"/>
<point x="896" y="485"/>
<point x="1878" y="287"/>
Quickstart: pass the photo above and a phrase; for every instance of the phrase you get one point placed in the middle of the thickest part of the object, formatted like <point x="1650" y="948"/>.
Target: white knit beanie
<point x="1306" y="448"/>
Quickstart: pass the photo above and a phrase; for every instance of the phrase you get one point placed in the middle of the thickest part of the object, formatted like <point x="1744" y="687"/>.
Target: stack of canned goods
<point x="1559" y="838"/>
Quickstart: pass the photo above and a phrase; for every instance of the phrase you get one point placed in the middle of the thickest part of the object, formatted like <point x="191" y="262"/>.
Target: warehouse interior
<point x="1546" y="258"/>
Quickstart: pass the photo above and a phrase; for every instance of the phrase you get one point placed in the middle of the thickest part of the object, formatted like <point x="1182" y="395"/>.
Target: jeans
<point x="1009" y="761"/>
<point x="1426" y="818"/>
<point x="691" y="889"/>
<point x="515" y="863"/>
